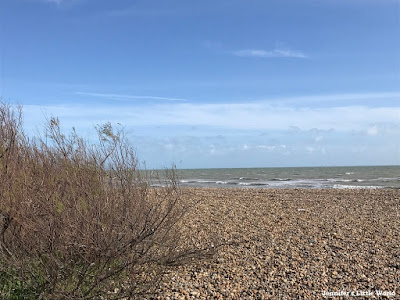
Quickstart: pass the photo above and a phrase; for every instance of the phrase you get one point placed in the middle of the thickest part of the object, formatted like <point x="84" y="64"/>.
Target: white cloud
<point x="139" y="12"/>
<point x="372" y="130"/>
<point x="127" y="97"/>
<point x="269" y="53"/>
<point x="334" y="98"/>
<point x="266" y="147"/>
<point x="310" y="149"/>
<point x="265" y="116"/>
<point x="238" y="116"/>
<point x="241" y="125"/>
<point x="60" y="3"/>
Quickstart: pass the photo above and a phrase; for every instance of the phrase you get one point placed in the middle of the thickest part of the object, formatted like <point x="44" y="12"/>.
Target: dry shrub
<point x="79" y="221"/>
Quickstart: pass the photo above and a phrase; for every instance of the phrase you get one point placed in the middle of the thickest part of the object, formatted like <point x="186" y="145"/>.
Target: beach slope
<point x="286" y="244"/>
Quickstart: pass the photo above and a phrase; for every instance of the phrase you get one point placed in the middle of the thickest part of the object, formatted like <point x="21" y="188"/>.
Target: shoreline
<point x="264" y="186"/>
<point x="245" y="188"/>
<point x="314" y="178"/>
<point x="288" y="243"/>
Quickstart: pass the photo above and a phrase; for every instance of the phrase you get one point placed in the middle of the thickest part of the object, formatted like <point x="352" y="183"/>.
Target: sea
<point x="372" y="177"/>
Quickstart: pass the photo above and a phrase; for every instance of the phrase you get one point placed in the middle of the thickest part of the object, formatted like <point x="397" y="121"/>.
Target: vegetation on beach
<point x="80" y="221"/>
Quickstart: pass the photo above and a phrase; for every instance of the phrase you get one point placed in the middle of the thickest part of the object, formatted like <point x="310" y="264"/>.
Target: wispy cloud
<point x="269" y="53"/>
<point x="270" y="133"/>
<point x="235" y="116"/>
<point x="139" y="12"/>
<point x="280" y="51"/>
<point x="378" y="99"/>
<point x="58" y="2"/>
<point x="62" y="3"/>
<point x="127" y="97"/>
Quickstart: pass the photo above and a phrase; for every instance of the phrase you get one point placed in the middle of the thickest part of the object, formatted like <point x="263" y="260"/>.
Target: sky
<point x="213" y="84"/>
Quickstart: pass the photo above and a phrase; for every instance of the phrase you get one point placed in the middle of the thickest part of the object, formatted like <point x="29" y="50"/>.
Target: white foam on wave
<point x="356" y="187"/>
<point x="344" y="180"/>
<point x="281" y="179"/>
<point x="247" y="178"/>
<point x="187" y="181"/>
<point x="386" y="179"/>
<point x="330" y="183"/>
<point x="198" y="181"/>
<point x="253" y="183"/>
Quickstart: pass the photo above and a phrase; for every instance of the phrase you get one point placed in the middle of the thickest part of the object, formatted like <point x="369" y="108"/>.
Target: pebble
<point x="285" y="244"/>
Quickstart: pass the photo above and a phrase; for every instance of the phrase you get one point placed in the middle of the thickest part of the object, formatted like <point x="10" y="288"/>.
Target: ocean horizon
<point x="347" y="177"/>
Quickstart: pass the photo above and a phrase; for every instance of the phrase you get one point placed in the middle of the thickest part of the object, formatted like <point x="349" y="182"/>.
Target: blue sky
<point x="238" y="83"/>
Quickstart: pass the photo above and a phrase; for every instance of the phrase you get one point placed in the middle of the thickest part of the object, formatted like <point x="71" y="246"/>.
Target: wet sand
<point x="290" y="244"/>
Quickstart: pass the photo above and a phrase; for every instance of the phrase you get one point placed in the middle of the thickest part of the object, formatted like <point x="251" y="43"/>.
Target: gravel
<point x="289" y="244"/>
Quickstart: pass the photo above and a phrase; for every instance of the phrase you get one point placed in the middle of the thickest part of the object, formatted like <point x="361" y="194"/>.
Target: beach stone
<point x="339" y="240"/>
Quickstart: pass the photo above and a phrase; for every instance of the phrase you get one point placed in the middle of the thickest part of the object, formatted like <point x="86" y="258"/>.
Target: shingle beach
<point x="290" y="244"/>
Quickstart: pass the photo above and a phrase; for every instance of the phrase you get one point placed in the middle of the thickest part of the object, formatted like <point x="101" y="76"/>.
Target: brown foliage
<point x="79" y="221"/>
